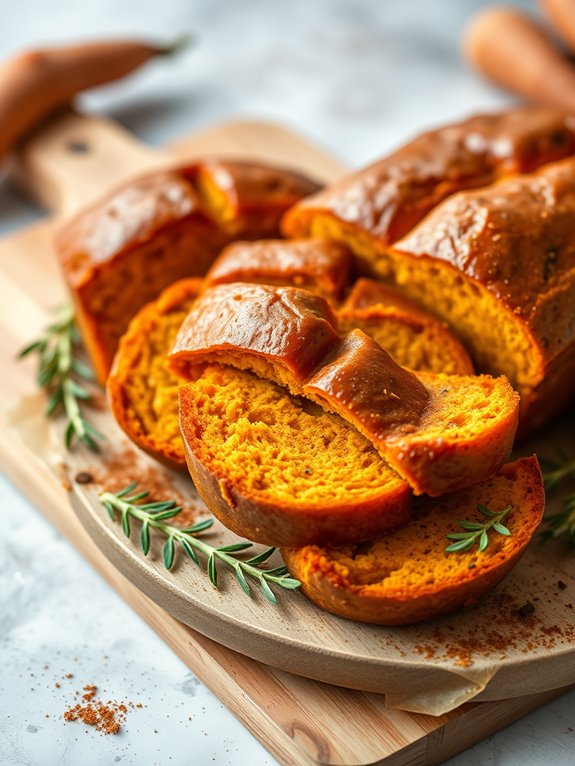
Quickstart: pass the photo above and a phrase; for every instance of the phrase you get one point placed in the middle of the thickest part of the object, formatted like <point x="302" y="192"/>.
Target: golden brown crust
<point x="389" y="197"/>
<point x="290" y="328"/>
<point x="314" y="264"/>
<point x="397" y="600"/>
<point x="160" y="228"/>
<point x="134" y="358"/>
<point x="439" y="432"/>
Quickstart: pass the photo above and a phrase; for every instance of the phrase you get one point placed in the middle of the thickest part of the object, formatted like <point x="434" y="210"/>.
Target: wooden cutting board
<point x="300" y="721"/>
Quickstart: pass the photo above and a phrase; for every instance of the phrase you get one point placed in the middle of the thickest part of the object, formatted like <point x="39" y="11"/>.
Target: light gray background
<point x="357" y="77"/>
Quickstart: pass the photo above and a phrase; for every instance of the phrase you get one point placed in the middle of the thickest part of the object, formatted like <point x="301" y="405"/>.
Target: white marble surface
<point x="358" y="77"/>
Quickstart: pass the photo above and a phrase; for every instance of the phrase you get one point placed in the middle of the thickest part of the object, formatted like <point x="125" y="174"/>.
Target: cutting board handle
<point x="73" y="159"/>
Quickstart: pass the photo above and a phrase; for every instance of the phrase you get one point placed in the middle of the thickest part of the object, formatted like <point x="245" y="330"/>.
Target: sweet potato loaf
<point x="439" y="432"/>
<point x="278" y="469"/>
<point x="142" y="392"/>
<point x="389" y="197"/>
<point x="407" y="576"/>
<point x="125" y="249"/>
<point x="412" y="336"/>
<point x="314" y="264"/>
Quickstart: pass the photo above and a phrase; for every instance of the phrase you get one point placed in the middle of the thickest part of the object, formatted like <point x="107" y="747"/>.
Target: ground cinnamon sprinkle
<point x="508" y="626"/>
<point x="118" y="470"/>
<point x="106" y="717"/>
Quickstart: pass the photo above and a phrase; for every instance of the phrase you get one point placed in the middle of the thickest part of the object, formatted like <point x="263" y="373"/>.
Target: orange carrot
<point x="562" y="15"/>
<point x="513" y="51"/>
<point x="36" y="83"/>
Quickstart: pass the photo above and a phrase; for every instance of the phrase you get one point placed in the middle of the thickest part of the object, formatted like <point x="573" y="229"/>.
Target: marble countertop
<point x="355" y="76"/>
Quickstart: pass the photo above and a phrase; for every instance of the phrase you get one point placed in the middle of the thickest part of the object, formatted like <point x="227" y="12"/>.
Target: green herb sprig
<point x="476" y="532"/>
<point x="154" y="515"/>
<point x="61" y="374"/>
<point x="561" y="525"/>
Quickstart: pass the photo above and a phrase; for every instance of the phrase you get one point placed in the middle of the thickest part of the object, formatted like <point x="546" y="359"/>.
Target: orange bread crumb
<point x="142" y="392"/>
<point x="407" y="576"/>
<point x="278" y="469"/>
<point x="412" y="336"/>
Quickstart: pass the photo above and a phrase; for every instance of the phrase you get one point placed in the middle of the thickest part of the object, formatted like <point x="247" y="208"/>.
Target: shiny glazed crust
<point x="327" y="584"/>
<point x="314" y="264"/>
<point x="392" y="195"/>
<point x="160" y="228"/>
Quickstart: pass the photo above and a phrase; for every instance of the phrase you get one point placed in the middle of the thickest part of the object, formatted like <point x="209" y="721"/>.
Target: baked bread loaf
<point x="142" y="392"/>
<point x="121" y="252"/>
<point x="412" y="336"/>
<point x="385" y="200"/>
<point x="278" y="469"/>
<point x="407" y="576"/>
<point x="313" y="264"/>
<point x="439" y="432"/>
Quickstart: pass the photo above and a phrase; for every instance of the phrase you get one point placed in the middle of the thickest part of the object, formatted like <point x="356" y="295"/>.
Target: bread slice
<point x="125" y="249"/>
<point x="142" y="392"/>
<point x="412" y="336"/>
<point x="407" y="576"/>
<point x="439" y="432"/>
<point x="280" y="470"/>
<point x="318" y="265"/>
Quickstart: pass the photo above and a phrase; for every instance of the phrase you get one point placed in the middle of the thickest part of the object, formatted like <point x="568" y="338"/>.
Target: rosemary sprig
<point x="155" y="515"/>
<point x="557" y="470"/>
<point x="478" y="533"/>
<point x="60" y="373"/>
<point x="562" y="524"/>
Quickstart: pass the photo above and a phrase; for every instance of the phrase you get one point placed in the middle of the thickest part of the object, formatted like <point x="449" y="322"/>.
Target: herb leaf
<point x="555" y="472"/>
<point x="477" y="533"/>
<point x="127" y="503"/>
<point x="61" y="373"/>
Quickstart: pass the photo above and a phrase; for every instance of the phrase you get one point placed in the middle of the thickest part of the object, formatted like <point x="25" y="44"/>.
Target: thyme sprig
<point x="555" y="471"/>
<point x="476" y="532"/>
<point x="127" y="503"/>
<point x="61" y="374"/>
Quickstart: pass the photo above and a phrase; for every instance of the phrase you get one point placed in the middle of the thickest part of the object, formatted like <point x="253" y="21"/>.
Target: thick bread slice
<point x="278" y="469"/>
<point x="407" y="576"/>
<point x="125" y="249"/>
<point x="142" y="392"/>
<point x="412" y="336"/>
<point x="439" y="432"/>
<point x="318" y="265"/>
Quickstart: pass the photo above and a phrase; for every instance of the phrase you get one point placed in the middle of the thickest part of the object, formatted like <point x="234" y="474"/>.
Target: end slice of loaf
<point x="407" y="576"/>
<point x="439" y="432"/>
<point x="280" y="470"/>
<point x="142" y="392"/>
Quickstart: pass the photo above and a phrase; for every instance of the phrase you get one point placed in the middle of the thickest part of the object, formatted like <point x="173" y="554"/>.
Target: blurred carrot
<point x="512" y="50"/>
<point x="37" y="82"/>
